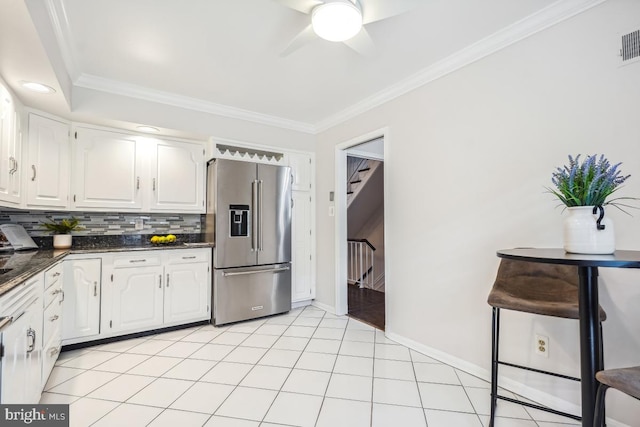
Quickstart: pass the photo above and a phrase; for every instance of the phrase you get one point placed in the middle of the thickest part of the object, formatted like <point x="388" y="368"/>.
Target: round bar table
<point x="590" y="338"/>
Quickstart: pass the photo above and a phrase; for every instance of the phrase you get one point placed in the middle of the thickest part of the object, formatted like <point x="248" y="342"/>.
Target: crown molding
<point x="532" y="24"/>
<point x="102" y="84"/>
<point x="60" y="25"/>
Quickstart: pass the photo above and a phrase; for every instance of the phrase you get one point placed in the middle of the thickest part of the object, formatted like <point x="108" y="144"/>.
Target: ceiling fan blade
<point x="303" y="37"/>
<point x="376" y="10"/>
<point x="304" y="6"/>
<point x="362" y="43"/>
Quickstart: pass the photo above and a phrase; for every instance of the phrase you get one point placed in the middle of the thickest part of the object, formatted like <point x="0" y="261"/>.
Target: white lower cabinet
<point x="187" y="286"/>
<point x="52" y="320"/>
<point x="136" y="298"/>
<point x="119" y="293"/>
<point x="81" y="315"/>
<point x="22" y="344"/>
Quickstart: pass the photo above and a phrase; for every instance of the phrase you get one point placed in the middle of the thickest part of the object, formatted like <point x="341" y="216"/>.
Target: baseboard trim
<point x="325" y="307"/>
<point x="513" y="386"/>
<point x="298" y="304"/>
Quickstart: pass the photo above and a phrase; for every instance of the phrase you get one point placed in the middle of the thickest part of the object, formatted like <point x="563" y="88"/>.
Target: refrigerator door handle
<point x="254" y="215"/>
<point x="242" y="273"/>
<point x="260" y="200"/>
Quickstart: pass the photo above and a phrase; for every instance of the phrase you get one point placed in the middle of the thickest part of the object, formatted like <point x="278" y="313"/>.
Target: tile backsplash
<point x="97" y="223"/>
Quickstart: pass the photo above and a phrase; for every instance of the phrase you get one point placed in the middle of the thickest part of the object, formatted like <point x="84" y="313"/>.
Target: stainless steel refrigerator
<point x="249" y="220"/>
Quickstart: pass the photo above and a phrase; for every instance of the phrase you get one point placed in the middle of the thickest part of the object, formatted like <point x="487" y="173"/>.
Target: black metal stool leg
<point x="495" y="336"/>
<point x="598" y="419"/>
<point x="600" y="408"/>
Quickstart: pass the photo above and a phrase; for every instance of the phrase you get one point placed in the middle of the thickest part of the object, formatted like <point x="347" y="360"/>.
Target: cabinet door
<point x="9" y="149"/>
<point x="15" y="362"/>
<point x="108" y="169"/>
<point x="48" y="163"/>
<point x="177" y="177"/>
<point x="186" y="292"/>
<point x="21" y="363"/>
<point x="301" y="169"/>
<point x="137" y="299"/>
<point x="81" y="309"/>
<point x="301" y="263"/>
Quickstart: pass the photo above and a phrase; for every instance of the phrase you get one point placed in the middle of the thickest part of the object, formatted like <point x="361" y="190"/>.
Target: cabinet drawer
<point x="52" y="292"/>
<point x="186" y="256"/>
<point x="50" y="353"/>
<point x="52" y="276"/>
<point x="142" y="260"/>
<point x="52" y="321"/>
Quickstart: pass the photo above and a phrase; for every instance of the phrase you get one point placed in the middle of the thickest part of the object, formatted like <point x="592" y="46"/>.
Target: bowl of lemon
<point x="163" y="240"/>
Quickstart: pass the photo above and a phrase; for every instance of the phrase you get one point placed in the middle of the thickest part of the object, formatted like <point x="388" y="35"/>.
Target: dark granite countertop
<point x="16" y="267"/>
<point x="20" y="266"/>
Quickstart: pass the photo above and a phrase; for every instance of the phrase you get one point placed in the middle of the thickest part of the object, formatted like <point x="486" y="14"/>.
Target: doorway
<point x="365" y="236"/>
<point x="361" y="266"/>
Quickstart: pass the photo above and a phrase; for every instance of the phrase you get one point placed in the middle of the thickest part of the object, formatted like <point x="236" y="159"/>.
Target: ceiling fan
<point x="343" y="21"/>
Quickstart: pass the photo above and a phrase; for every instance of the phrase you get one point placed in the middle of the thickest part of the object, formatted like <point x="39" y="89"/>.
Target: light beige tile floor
<point x="306" y="368"/>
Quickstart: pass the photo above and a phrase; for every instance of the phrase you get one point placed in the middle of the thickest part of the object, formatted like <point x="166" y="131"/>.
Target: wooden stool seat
<point x="545" y="289"/>
<point x="627" y="380"/>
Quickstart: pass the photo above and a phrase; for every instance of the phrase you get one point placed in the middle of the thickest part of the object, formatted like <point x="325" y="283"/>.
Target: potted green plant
<point x="62" y="231"/>
<point x="585" y="188"/>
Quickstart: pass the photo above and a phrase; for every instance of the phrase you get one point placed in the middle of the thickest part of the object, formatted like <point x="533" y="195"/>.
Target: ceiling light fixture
<point x="147" y="129"/>
<point x="337" y="20"/>
<point x="37" y="87"/>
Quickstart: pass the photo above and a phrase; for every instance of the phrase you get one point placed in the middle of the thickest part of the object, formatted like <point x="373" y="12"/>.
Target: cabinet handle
<point x="159" y="281"/>
<point x="154" y="184"/>
<point x="189" y="257"/>
<point x="13" y="167"/>
<point x="57" y="273"/>
<point x="54" y="318"/>
<point x="95" y="289"/>
<point x="167" y="280"/>
<point x="31" y="334"/>
<point x="62" y="299"/>
<point x="137" y="183"/>
<point x="33" y="167"/>
<point x="137" y="260"/>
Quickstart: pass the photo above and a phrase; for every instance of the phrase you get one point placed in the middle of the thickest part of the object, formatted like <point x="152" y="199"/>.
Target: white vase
<point x="62" y="241"/>
<point x="582" y="234"/>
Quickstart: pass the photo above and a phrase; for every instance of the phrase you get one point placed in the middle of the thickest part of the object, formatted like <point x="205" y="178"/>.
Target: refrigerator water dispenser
<point x="239" y="217"/>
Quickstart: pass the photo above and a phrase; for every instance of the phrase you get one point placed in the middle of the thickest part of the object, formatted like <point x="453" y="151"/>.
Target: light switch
<point x="332" y="211"/>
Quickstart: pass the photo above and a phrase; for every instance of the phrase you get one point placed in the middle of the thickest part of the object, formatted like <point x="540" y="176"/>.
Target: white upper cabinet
<point x="177" y="177"/>
<point x="118" y="171"/>
<point x="107" y="170"/>
<point x="302" y="171"/>
<point x="10" y="143"/>
<point x="47" y="180"/>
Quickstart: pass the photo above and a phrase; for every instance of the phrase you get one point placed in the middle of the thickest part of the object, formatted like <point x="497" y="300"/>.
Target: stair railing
<point x="361" y="267"/>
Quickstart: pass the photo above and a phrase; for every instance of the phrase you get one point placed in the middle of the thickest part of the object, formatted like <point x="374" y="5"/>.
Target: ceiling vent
<point x="630" y="46"/>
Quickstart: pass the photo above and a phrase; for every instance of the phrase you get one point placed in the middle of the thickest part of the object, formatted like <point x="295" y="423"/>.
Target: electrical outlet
<point x="542" y="345"/>
<point x="138" y="224"/>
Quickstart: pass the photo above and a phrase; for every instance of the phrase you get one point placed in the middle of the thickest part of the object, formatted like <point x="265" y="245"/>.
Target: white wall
<point x="479" y="146"/>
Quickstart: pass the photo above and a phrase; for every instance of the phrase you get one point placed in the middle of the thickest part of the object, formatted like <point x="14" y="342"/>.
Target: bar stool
<point x="626" y="380"/>
<point x="545" y="289"/>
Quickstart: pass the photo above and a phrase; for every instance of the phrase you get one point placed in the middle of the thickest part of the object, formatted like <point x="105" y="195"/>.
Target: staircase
<point x="358" y="172"/>
<point x="365" y="223"/>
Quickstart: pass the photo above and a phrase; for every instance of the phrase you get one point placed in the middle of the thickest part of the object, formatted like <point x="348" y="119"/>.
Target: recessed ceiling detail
<point x="223" y="61"/>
